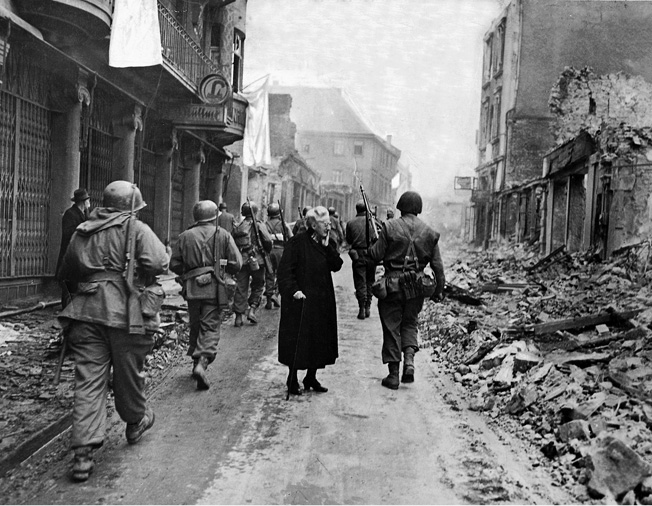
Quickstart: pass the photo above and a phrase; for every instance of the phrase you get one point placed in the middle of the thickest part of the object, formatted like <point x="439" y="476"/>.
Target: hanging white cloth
<point x="255" y="147"/>
<point x="135" y="34"/>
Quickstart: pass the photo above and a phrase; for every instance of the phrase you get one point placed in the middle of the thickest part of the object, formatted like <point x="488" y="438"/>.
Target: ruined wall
<point x="528" y="140"/>
<point x="281" y="129"/>
<point x="609" y="36"/>
<point x="630" y="212"/>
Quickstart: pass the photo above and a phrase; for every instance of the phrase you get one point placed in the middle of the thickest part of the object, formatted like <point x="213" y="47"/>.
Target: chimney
<point x="389" y="139"/>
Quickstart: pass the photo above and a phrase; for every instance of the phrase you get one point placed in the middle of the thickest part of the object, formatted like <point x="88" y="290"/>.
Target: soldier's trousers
<point x="399" y="317"/>
<point x="271" y="282"/>
<point x="364" y="275"/>
<point x="246" y="279"/>
<point x="205" y="320"/>
<point x="96" y="347"/>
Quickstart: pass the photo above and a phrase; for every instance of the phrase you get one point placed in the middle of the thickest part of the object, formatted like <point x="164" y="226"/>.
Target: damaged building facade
<point x="518" y="196"/>
<point x="70" y="120"/>
<point x="338" y="145"/>
<point x="600" y="175"/>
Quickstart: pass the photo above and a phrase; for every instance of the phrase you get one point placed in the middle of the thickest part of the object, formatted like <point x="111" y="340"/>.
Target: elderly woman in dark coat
<point x="308" y="327"/>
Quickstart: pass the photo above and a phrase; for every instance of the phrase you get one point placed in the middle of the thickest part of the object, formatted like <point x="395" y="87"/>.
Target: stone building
<point x="336" y="142"/>
<point x="525" y="50"/>
<point x="69" y="120"/>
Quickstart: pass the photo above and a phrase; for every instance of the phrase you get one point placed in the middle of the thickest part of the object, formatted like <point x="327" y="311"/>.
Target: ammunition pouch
<point x="151" y="300"/>
<point x="199" y="283"/>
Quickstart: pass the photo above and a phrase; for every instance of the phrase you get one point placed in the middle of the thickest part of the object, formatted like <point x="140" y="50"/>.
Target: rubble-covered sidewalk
<point x="557" y="351"/>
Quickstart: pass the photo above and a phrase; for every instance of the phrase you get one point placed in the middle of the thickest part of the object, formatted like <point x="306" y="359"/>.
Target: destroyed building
<point x="526" y="50"/>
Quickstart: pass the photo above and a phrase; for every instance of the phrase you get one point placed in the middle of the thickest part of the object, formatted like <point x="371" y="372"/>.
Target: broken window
<point x="357" y="148"/>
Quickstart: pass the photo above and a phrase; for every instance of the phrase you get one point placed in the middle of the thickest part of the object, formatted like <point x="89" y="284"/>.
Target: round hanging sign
<point x="214" y="89"/>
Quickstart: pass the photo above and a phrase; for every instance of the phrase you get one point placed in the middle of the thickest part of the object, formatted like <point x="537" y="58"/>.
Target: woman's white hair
<point x="314" y="214"/>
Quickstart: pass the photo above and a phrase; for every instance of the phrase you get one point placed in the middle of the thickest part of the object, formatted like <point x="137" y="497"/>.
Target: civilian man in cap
<point x="225" y="219"/>
<point x="71" y="219"/>
<point x="406" y="245"/>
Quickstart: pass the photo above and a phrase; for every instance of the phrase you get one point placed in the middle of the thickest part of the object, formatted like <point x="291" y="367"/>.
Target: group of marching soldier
<point x="111" y="266"/>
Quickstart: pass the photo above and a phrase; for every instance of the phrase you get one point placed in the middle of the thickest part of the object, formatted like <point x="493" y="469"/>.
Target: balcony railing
<point x="181" y="52"/>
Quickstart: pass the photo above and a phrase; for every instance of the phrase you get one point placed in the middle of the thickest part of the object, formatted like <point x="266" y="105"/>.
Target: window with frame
<point x="488" y="48"/>
<point x="338" y="148"/>
<point x="337" y="176"/>
<point x="237" y="63"/>
<point x="499" y="48"/>
<point x="495" y="120"/>
<point x="357" y="148"/>
<point x="484" y="116"/>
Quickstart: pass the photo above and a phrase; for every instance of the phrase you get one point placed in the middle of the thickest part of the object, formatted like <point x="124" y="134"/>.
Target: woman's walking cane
<point x="296" y="349"/>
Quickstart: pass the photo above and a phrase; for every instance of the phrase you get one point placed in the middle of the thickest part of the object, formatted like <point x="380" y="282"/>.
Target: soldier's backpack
<point x="242" y="235"/>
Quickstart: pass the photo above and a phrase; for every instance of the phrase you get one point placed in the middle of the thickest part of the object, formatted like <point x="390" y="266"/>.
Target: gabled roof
<point x="323" y="110"/>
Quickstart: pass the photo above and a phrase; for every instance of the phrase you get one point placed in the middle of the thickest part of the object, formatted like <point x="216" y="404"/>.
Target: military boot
<point x="275" y="301"/>
<point x="238" y="320"/>
<point x="199" y="373"/>
<point x="251" y="315"/>
<point x="408" y="365"/>
<point x="135" y="431"/>
<point x="268" y="305"/>
<point x="361" y="312"/>
<point x="391" y="381"/>
<point x="367" y="309"/>
<point x="83" y="464"/>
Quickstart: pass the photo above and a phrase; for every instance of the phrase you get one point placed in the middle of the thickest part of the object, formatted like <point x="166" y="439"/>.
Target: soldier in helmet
<point x="336" y="233"/>
<point x="98" y="322"/>
<point x="250" y="280"/>
<point x="364" y="269"/>
<point x="300" y="225"/>
<point x="406" y="246"/>
<point x="275" y="226"/>
<point x="202" y="256"/>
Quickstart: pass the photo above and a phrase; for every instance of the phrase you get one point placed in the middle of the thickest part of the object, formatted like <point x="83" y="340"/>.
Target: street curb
<point x="35" y="442"/>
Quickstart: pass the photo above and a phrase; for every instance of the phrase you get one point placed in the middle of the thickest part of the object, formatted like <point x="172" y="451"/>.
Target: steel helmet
<point x="410" y="203"/>
<point x="245" y="210"/>
<point x="273" y="210"/>
<point x="119" y="194"/>
<point x="204" y="210"/>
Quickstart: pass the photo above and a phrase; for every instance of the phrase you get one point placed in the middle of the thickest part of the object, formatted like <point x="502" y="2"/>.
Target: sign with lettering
<point x="214" y="89"/>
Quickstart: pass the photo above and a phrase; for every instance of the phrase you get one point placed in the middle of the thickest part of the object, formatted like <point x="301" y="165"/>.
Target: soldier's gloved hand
<point x="299" y="295"/>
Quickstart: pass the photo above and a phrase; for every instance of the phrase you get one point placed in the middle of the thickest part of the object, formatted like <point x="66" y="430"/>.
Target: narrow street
<point x="242" y="442"/>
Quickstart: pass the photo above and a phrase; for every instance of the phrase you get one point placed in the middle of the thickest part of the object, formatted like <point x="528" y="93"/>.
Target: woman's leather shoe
<point x="295" y="389"/>
<point x="315" y="385"/>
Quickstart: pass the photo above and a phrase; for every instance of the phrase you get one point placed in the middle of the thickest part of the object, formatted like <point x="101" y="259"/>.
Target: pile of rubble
<point x="557" y="350"/>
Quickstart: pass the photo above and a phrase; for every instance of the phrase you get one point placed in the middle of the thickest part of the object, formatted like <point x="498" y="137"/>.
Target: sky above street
<point x="413" y="67"/>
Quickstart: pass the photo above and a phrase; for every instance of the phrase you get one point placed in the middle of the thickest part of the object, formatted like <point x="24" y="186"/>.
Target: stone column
<point x="66" y="128"/>
<point x="125" y="125"/>
<point x="166" y="160"/>
<point x="193" y="157"/>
